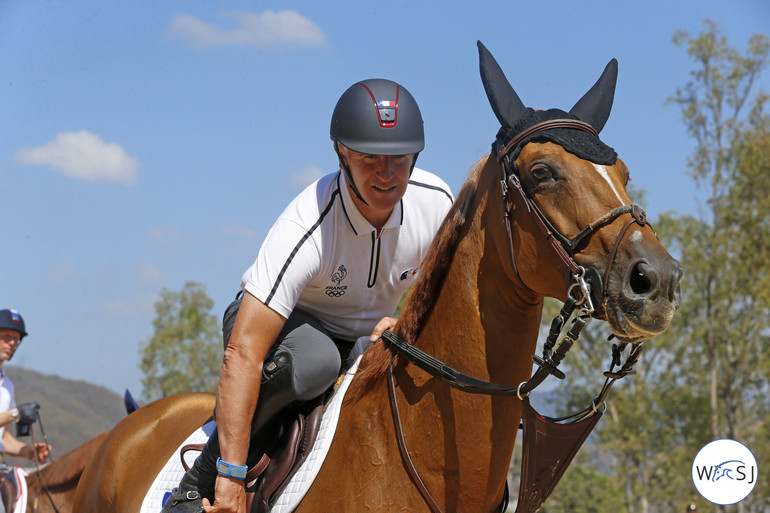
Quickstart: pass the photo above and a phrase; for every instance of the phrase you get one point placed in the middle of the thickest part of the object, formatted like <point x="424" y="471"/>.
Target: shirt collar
<point x="357" y="220"/>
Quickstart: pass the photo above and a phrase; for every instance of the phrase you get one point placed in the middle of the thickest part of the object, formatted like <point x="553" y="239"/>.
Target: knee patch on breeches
<point x="276" y="391"/>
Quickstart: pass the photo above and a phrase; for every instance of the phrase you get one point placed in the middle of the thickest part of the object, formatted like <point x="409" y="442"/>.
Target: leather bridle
<point x="564" y="247"/>
<point x="578" y="298"/>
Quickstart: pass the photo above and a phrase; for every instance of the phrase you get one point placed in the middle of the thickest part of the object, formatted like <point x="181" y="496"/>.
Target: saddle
<point x="285" y="443"/>
<point x="13" y="488"/>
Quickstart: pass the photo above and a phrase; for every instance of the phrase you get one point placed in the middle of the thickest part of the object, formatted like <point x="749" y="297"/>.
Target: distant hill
<point x="72" y="412"/>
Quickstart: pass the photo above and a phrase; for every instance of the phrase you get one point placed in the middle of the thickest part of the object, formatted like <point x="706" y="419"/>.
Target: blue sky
<point x="147" y="144"/>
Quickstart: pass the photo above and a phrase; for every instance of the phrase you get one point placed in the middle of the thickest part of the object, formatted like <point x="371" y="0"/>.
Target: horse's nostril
<point x="642" y="279"/>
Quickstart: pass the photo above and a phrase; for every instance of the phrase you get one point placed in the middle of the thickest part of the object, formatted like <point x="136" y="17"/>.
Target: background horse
<point x="52" y="488"/>
<point x="476" y="306"/>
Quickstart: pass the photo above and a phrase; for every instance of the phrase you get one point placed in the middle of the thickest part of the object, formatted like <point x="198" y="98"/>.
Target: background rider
<point x="12" y="331"/>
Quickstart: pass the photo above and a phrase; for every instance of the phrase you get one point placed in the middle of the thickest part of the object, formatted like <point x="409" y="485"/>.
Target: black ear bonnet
<point x="577" y="142"/>
<point x="593" y="108"/>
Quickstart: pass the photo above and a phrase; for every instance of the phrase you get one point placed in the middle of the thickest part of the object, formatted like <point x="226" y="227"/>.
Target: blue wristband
<point x="230" y="470"/>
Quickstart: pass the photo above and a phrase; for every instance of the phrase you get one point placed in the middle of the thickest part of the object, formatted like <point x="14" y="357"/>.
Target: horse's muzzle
<point x="640" y="298"/>
<point x="648" y="282"/>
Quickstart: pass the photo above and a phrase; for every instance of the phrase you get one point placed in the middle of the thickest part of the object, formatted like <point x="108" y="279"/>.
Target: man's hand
<point x="229" y="496"/>
<point x="386" y="323"/>
<point x="38" y="452"/>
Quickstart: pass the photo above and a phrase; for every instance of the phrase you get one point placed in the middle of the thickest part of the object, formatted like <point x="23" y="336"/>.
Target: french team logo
<point x="409" y="273"/>
<point x="338" y="289"/>
<point x="724" y="471"/>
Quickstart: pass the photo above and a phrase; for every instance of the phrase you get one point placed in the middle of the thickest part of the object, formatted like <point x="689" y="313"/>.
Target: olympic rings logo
<point x="335" y="291"/>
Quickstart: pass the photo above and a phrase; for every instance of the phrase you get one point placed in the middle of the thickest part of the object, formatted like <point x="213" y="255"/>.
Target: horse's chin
<point x="635" y="325"/>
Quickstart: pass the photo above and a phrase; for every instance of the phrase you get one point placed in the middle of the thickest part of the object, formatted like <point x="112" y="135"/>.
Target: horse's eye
<point x="541" y="173"/>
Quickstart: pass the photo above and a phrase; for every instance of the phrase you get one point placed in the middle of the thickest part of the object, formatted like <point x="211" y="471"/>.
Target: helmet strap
<point x="414" y="161"/>
<point x="15" y="348"/>
<point x="348" y="175"/>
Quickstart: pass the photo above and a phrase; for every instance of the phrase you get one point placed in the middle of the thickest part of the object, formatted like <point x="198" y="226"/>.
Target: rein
<point x="38" y="468"/>
<point x="547" y="365"/>
<point x="578" y="297"/>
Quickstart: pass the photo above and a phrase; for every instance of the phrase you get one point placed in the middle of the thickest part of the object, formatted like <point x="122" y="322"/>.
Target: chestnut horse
<point x="52" y="487"/>
<point x="477" y="306"/>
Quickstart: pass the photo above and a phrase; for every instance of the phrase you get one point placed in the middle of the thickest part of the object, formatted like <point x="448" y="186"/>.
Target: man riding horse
<point x="331" y="270"/>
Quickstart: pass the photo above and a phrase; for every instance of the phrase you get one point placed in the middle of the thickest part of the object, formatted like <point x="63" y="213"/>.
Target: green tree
<point x="604" y="492"/>
<point x="727" y="295"/>
<point x="185" y="353"/>
<point x="708" y="376"/>
<point x="726" y="248"/>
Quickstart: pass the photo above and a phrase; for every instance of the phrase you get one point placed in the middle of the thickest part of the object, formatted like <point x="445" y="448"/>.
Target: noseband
<point x="564" y="246"/>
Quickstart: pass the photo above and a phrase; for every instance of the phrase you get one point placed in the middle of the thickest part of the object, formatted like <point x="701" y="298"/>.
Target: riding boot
<point x="276" y="393"/>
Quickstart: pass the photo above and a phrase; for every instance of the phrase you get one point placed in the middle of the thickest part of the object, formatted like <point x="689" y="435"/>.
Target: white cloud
<point x="269" y="28"/>
<point x="83" y="156"/>
<point x="304" y="177"/>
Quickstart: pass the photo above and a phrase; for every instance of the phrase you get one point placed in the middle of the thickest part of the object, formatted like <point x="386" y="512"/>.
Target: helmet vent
<point x="387" y="110"/>
<point x="387" y="113"/>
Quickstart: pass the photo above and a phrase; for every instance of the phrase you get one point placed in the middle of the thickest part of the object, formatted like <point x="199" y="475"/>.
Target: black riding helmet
<point x="12" y="320"/>
<point x="377" y="117"/>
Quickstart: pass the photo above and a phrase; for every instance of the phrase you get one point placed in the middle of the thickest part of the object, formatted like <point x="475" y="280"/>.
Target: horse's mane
<point x="66" y="470"/>
<point x="423" y="294"/>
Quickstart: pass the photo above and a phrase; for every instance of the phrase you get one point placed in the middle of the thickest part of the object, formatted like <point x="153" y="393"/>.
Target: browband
<point x="542" y="127"/>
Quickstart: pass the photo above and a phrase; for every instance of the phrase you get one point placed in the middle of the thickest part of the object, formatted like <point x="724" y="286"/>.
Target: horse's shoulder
<point x="173" y="416"/>
<point x="178" y="404"/>
<point x="142" y="440"/>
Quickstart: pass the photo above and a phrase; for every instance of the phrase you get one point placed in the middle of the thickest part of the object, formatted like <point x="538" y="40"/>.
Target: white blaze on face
<point x="637" y="235"/>
<point x="603" y="173"/>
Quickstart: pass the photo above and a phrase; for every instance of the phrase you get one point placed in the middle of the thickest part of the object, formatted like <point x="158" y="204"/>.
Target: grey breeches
<point x="316" y="356"/>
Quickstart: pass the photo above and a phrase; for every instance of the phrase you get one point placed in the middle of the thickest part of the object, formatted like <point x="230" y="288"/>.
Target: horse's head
<point x="567" y="195"/>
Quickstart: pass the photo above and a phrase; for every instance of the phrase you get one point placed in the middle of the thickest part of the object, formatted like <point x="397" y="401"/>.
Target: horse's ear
<point x="594" y="107"/>
<point x="504" y="101"/>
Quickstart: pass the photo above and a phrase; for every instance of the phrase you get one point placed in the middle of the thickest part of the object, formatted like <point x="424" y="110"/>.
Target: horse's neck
<point x="483" y="321"/>
<point x="484" y="326"/>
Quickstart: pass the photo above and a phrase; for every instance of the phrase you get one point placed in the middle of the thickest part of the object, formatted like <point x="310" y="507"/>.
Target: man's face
<point x="9" y="339"/>
<point x="381" y="179"/>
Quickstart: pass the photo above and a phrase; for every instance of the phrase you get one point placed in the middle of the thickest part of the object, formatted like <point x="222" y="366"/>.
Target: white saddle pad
<point x="20" y="479"/>
<point x="297" y="486"/>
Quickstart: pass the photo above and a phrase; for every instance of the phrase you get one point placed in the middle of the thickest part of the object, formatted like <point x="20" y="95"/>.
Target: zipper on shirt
<point x="374" y="261"/>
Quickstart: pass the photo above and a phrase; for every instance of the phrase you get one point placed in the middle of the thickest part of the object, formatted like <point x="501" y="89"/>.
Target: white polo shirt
<point x="7" y="401"/>
<point x="324" y="257"/>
